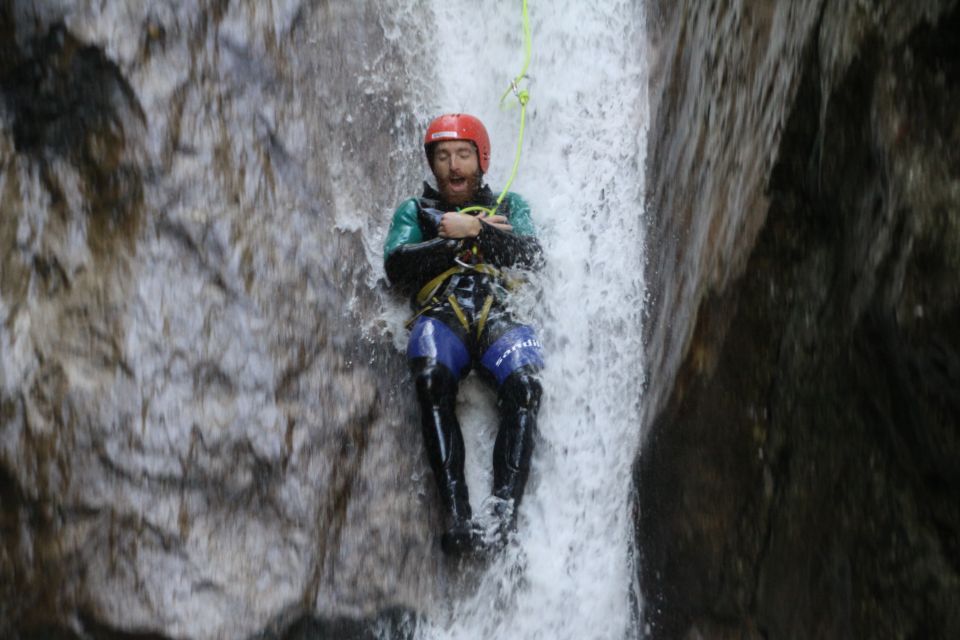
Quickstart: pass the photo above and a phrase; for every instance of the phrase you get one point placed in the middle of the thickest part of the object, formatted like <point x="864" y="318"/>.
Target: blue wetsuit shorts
<point x="501" y="348"/>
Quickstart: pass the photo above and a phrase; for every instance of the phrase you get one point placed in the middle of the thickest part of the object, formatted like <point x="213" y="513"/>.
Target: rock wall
<point x="198" y="436"/>
<point x="799" y="473"/>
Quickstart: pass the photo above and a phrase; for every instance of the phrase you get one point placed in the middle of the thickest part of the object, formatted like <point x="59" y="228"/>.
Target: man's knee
<point x="433" y="380"/>
<point x="521" y="390"/>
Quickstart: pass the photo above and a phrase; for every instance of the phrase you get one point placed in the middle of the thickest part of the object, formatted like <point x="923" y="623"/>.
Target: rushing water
<point x="571" y="573"/>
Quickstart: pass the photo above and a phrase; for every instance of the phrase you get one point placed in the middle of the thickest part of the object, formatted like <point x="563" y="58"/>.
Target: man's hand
<point x="460" y="225"/>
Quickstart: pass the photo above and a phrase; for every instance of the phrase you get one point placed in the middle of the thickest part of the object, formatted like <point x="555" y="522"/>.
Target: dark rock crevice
<point x="67" y="100"/>
<point x="798" y="481"/>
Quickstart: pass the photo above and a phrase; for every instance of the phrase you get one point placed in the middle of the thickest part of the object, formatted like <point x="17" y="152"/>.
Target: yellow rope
<point x="523" y="97"/>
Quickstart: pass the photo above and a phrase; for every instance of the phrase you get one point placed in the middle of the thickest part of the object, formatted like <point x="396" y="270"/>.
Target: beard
<point x="453" y="192"/>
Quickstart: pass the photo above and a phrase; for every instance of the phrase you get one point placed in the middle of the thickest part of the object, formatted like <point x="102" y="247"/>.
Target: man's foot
<point x="500" y="523"/>
<point x="462" y="538"/>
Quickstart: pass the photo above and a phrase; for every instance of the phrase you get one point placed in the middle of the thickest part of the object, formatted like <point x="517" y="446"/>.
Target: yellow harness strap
<point x="419" y="313"/>
<point x="461" y="316"/>
<point x="482" y="320"/>
<point x="430" y="289"/>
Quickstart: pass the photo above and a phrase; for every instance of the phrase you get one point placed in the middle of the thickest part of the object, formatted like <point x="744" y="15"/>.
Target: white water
<point x="571" y="574"/>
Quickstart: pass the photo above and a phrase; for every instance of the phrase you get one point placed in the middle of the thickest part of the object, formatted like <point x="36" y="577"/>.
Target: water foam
<point x="570" y="575"/>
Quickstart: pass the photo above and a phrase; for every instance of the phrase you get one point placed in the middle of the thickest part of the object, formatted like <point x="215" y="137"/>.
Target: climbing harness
<point x="430" y="289"/>
<point x="429" y="295"/>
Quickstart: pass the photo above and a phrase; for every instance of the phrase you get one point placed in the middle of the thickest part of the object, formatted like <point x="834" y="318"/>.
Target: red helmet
<point x="459" y="126"/>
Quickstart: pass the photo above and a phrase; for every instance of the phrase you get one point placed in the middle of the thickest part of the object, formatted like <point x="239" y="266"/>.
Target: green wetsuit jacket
<point x="414" y="254"/>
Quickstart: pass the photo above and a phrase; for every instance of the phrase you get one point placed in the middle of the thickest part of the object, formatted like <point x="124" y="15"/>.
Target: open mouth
<point x="457" y="183"/>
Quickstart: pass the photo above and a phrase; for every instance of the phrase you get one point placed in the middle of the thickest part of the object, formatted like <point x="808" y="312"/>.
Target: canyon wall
<point x="800" y="464"/>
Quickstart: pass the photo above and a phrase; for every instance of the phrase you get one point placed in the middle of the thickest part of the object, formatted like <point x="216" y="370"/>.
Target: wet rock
<point x="200" y="426"/>
<point x="799" y="474"/>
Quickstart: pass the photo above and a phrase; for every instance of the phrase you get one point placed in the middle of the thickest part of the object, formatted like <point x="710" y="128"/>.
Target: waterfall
<point x="571" y="573"/>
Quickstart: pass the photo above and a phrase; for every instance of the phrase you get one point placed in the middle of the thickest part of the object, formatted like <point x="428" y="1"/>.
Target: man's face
<point x="457" y="170"/>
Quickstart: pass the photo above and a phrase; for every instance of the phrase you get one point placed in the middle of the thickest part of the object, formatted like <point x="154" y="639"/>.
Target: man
<point x="451" y="262"/>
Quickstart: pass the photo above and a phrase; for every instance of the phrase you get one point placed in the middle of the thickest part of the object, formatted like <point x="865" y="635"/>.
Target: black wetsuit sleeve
<point x="411" y="265"/>
<point x="507" y="249"/>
